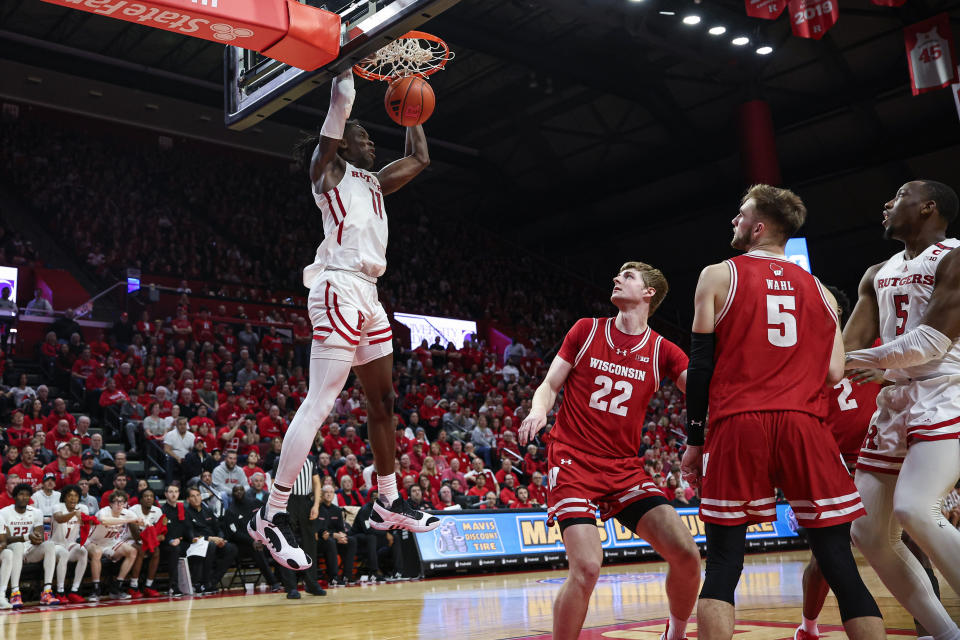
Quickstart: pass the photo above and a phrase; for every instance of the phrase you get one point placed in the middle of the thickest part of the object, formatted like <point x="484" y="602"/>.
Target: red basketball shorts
<point x="580" y="484"/>
<point x="748" y="455"/>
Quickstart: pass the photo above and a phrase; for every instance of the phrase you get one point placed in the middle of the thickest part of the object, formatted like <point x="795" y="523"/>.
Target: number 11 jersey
<point x="774" y="336"/>
<point x="614" y="377"/>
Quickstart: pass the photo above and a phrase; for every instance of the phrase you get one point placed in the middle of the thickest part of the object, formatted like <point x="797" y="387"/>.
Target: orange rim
<point x="367" y="68"/>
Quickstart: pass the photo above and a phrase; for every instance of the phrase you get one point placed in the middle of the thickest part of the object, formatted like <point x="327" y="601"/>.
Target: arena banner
<point x="519" y="538"/>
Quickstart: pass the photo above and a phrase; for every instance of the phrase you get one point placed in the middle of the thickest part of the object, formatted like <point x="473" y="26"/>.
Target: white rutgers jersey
<point x="63" y="533"/>
<point x="903" y="291"/>
<point x="106" y="535"/>
<point x="354" y="227"/>
<point x="151" y="518"/>
<point x="20" y="524"/>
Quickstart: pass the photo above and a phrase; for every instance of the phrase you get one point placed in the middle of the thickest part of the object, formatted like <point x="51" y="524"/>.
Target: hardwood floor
<point x="628" y="603"/>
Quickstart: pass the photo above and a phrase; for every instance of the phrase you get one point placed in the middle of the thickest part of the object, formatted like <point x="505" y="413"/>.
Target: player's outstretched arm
<point x="543" y="399"/>
<point x="938" y="329"/>
<point x="416" y="158"/>
<point x="326" y="167"/>
<point x="863" y="326"/>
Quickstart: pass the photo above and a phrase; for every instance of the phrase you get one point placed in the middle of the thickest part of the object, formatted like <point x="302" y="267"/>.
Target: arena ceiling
<point x="590" y="131"/>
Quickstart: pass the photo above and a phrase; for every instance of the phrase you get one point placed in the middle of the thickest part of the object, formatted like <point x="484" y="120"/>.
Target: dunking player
<point x="765" y="341"/>
<point x="350" y="327"/>
<point x="911" y="456"/>
<point x="609" y="369"/>
<point x="850" y="406"/>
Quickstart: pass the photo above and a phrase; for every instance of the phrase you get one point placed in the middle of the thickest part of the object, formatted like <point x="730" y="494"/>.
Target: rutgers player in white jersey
<point x="609" y="369"/>
<point x="65" y="532"/>
<point x="350" y="326"/>
<point x="112" y="539"/>
<point x="21" y="540"/>
<point x="147" y="509"/>
<point x="911" y="456"/>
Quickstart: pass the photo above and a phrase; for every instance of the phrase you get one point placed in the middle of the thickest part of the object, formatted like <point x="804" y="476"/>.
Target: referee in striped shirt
<point x="303" y="508"/>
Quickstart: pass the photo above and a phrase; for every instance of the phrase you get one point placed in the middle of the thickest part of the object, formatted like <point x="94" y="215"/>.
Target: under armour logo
<point x="565" y="461"/>
<point x="622" y="352"/>
<point x="360" y="320"/>
<point x="227" y="33"/>
<point x="777" y="269"/>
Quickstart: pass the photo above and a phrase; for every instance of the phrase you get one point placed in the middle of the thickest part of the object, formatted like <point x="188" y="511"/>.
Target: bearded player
<point x="765" y="341"/>
<point x="609" y="369"/>
<point x="911" y="456"/>
<point x="350" y="326"/>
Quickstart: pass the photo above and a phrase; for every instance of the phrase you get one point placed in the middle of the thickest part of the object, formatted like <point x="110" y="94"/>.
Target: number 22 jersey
<point x="775" y="336"/>
<point x="606" y="394"/>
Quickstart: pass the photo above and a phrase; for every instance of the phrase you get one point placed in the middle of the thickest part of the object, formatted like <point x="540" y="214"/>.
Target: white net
<point x="407" y="57"/>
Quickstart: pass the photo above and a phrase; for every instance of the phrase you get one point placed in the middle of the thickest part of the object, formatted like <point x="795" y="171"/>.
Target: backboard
<point x="256" y="86"/>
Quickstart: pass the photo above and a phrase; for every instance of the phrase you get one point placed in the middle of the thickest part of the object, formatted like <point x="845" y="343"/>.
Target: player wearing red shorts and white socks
<point x="350" y="326"/>
<point x="65" y="530"/>
<point x="609" y="369"/>
<point x="911" y="456"/>
<point x="765" y="342"/>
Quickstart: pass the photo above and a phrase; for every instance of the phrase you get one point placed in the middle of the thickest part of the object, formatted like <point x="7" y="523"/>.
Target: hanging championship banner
<point x="813" y="18"/>
<point x="889" y="3"/>
<point x="930" y="54"/>
<point x="766" y="9"/>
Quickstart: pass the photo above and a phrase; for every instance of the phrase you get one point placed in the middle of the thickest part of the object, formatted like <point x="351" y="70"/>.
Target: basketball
<point x="409" y="101"/>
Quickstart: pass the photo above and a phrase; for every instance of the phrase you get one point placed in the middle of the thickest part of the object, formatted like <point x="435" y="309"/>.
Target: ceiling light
<point x="691" y="20"/>
<point x="764" y="51"/>
<point x="740" y="41"/>
<point x="717" y="31"/>
<point x="636" y="0"/>
<point x="668" y="13"/>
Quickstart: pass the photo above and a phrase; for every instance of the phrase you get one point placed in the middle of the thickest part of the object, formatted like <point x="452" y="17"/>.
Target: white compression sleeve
<point x="342" y="94"/>
<point x="912" y="348"/>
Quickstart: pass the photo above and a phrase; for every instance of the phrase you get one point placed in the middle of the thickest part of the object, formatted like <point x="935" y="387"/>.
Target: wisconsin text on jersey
<point x="618" y="369"/>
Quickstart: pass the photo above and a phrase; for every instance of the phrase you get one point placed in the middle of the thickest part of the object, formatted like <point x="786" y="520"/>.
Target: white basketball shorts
<point x="909" y="412"/>
<point x="349" y="323"/>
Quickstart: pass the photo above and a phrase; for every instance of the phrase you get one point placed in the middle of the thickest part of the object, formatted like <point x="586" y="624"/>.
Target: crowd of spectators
<point x="250" y="232"/>
<point x="206" y="403"/>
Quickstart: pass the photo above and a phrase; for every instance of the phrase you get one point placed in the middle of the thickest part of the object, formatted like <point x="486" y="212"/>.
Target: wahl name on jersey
<point x="617" y="369"/>
<point x="778" y="285"/>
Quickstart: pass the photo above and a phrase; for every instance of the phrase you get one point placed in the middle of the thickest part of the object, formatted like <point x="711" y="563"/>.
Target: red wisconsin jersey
<point x="614" y="377"/>
<point x="774" y="336"/>
<point x="850" y="406"/>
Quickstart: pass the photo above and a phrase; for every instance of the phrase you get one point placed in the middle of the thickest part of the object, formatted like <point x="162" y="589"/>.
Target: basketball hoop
<point x="415" y="53"/>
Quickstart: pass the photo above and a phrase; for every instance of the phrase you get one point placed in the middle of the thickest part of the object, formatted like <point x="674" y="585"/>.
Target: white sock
<point x="387" y="487"/>
<point x="134" y="582"/>
<point x="149" y="583"/>
<point x="277" y="502"/>
<point x="60" y="588"/>
<point x="810" y="626"/>
<point x="678" y="628"/>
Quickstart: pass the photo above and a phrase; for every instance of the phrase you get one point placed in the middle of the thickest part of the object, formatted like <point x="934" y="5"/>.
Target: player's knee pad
<point x="831" y="546"/>
<point x="725" y="548"/>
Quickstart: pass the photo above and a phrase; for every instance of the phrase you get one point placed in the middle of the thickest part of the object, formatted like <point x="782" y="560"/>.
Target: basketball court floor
<point x="628" y="603"/>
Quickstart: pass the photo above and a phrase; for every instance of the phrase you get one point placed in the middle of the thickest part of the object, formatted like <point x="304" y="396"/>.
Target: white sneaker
<point x="5" y="604"/>
<point x="276" y="535"/>
<point x="400" y="515"/>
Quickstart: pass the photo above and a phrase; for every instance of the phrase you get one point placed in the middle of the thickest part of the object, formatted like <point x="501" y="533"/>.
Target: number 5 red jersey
<point x="774" y="336"/>
<point x="614" y="376"/>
